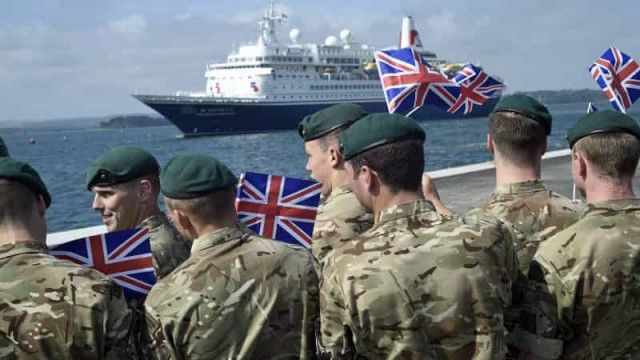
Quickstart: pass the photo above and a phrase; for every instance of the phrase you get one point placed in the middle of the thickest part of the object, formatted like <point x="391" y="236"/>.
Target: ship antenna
<point x="267" y="25"/>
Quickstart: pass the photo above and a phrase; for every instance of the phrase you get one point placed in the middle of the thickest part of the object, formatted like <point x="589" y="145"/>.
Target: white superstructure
<point x="341" y="68"/>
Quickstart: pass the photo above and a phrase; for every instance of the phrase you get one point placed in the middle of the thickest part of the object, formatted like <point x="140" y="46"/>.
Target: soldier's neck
<point x="338" y="179"/>
<point x="16" y="234"/>
<point x="147" y="212"/>
<point x="600" y="189"/>
<point x="203" y="228"/>
<point x="509" y="173"/>
<point x="387" y="199"/>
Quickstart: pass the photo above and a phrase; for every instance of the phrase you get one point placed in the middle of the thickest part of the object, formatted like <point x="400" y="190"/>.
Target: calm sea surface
<point x="62" y="156"/>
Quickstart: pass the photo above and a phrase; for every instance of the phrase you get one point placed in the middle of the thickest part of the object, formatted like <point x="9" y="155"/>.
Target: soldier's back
<point x="535" y="213"/>
<point x="238" y="296"/>
<point x="590" y="275"/>
<point x="418" y="285"/>
<point x="53" y="309"/>
<point x="340" y="218"/>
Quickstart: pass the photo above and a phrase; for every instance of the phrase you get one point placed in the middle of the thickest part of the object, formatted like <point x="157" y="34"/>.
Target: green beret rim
<point x="602" y="131"/>
<point x="317" y="136"/>
<point x="537" y="119"/>
<point x="193" y="195"/>
<point x="377" y="144"/>
<point x="115" y="180"/>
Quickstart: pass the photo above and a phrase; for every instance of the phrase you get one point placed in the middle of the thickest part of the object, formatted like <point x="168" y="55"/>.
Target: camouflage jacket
<point x="535" y="212"/>
<point x="586" y="286"/>
<point x="418" y="285"/>
<point x="54" y="309"/>
<point x="238" y="296"/>
<point x="168" y="248"/>
<point x="340" y="218"/>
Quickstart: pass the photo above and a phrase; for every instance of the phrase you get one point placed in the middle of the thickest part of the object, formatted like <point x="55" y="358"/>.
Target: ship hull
<point x="206" y="117"/>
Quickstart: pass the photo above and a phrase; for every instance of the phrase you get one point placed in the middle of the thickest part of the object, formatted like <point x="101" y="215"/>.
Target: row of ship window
<point x="335" y="96"/>
<point x="345" y="87"/>
<point x="296" y="59"/>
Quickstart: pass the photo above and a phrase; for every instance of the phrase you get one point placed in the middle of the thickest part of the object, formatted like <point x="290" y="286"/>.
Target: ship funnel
<point x="409" y="36"/>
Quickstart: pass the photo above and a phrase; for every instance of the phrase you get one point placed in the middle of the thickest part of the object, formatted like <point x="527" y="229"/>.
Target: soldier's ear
<point x="42" y="206"/>
<point x="144" y="190"/>
<point x="543" y="149"/>
<point x="371" y="179"/>
<point x="490" y="145"/>
<point x="335" y="158"/>
<point x="578" y="166"/>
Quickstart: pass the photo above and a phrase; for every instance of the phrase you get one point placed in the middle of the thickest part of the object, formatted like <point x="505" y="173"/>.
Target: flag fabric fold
<point x="476" y="88"/>
<point x="618" y="75"/>
<point x="278" y="207"/>
<point x="124" y="256"/>
<point x="409" y="82"/>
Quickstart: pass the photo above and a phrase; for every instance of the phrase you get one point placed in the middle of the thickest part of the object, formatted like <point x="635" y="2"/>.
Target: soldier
<point x="50" y="308"/>
<point x="518" y="130"/>
<point x="126" y="186"/>
<point x="238" y="296"/>
<point x="4" y="151"/>
<point x="418" y="284"/>
<point x="340" y="215"/>
<point x="587" y="277"/>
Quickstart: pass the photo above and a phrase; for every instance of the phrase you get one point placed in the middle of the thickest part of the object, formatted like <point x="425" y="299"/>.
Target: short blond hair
<point x="518" y="138"/>
<point x="614" y="155"/>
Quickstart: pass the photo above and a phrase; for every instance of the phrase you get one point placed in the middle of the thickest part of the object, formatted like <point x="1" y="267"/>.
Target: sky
<point x="81" y="58"/>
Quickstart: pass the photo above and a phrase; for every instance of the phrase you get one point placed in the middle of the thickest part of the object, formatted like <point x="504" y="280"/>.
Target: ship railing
<point x="190" y="93"/>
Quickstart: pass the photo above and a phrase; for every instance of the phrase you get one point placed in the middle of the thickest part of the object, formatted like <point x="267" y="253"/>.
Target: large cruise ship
<point x="270" y="85"/>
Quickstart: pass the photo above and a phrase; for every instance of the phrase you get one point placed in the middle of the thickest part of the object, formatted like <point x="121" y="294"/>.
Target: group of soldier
<point x="392" y="272"/>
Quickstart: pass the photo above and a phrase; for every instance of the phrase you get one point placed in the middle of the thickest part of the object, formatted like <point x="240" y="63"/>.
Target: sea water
<point x="62" y="156"/>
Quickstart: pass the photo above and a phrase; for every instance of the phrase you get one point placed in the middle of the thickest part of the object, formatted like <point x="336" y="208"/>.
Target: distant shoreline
<point x="149" y="120"/>
<point x="134" y="121"/>
<point x="566" y="96"/>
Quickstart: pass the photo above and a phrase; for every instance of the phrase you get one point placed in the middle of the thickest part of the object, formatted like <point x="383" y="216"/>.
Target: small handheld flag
<point x="618" y="76"/>
<point x="124" y="256"/>
<point x="476" y="87"/>
<point x="278" y="207"/>
<point x="409" y="82"/>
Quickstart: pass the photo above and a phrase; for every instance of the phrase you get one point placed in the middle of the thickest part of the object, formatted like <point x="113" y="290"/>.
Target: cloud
<point x="134" y="24"/>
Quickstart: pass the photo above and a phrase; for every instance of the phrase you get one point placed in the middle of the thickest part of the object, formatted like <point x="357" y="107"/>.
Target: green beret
<point x="4" y="151"/>
<point x="22" y="172"/>
<point x="194" y="175"/>
<point x="121" y="164"/>
<point x="327" y="120"/>
<point x="603" y="121"/>
<point x="526" y="106"/>
<point x="376" y="130"/>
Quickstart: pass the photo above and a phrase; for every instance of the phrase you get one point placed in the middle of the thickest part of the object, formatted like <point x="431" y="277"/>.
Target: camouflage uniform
<point x="586" y="282"/>
<point x="168" y="248"/>
<point x="51" y="308"/>
<point x="531" y="208"/>
<point x="238" y="296"/>
<point x="340" y="218"/>
<point x="418" y="285"/>
<point x="7" y="350"/>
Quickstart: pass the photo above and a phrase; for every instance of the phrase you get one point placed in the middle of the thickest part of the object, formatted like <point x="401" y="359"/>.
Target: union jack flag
<point x="278" y="207"/>
<point x="409" y="82"/>
<point x="617" y="75"/>
<point x="124" y="256"/>
<point x="476" y="87"/>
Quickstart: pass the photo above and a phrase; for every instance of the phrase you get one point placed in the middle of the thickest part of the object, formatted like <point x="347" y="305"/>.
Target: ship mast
<point x="267" y="26"/>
